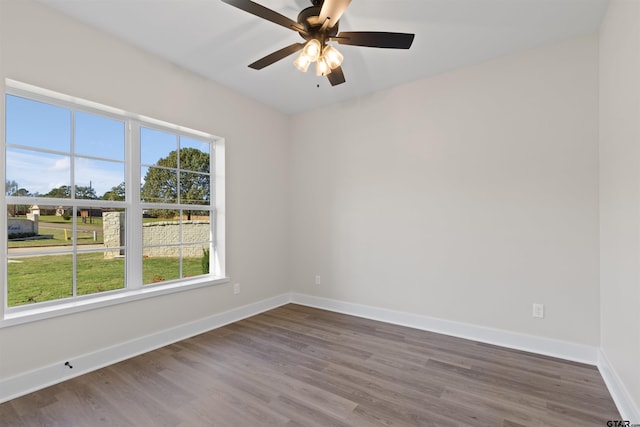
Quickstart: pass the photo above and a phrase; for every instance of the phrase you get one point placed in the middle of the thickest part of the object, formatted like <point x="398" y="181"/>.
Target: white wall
<point x="41" y="47"/>
<point x="620" y="193"/>
<point x="465" y="197"/>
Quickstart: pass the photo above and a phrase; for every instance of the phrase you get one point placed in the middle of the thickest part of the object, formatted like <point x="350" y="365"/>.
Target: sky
<point x="44" y="160"/>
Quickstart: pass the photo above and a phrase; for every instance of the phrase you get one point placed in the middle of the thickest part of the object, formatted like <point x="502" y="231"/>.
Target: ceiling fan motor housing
<point x="309" y="19"/>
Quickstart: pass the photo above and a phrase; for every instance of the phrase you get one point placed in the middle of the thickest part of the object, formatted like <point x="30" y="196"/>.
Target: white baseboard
<point x="546" y="346"/>
<point x="628" y="409"/>
<point x="22" y="384"/>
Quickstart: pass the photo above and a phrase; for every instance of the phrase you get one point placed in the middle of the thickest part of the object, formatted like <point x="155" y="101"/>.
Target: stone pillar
<point x="113" y="233"/>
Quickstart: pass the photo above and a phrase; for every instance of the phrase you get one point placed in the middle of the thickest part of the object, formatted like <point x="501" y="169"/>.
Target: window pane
<point x="196" y="230"/>
<point x="202" y="146"/>
<point x="195" y="260"/>
<point x="36" y="124"/>
<point x="156" y="146"/>
<point x="159" y="185"/>
<point x="96" y="178"/>
<point x="161" y="267"/>
<point x="194" y="160"/>
<point x="116" y="193"/>
<point x="89" y="228"/>
<point x="32" y="279"/>
<point x="19" y="222"/>
<point x="43" y="174"/>
<point x="113" y="233"/>
<point x="160" y="232"/>
<point x="98" y="273"/>
<point x="99" y="136"/>
<point x="41" y="226"/>
<point x="194" y="188"/>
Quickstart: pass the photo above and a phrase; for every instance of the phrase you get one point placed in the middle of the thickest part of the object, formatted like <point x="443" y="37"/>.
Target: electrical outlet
<point x="318" y="279"/>
<point x="236" y="288"/>
<point x="538" y="311"/>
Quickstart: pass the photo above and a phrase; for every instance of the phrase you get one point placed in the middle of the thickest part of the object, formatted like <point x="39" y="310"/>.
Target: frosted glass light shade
<point x="312" y="49"/>
<point x="322" y="68"/>
<point x="332" y="56"/>
<point x="302" y="62"/>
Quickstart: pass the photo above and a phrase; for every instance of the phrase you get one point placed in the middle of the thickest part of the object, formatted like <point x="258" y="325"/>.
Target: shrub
<point x="20" y="235"/>
<point x="66" y="216"/>
<point x="205" y="261"/>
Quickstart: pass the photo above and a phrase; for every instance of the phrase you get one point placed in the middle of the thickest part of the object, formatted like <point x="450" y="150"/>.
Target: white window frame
<point x="134" y="289"/>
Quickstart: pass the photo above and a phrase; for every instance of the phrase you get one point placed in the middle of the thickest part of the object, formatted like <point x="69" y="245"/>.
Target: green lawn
<point x="46" y="278"/>
<point x="95" y="222"/>
<point x="83" y="238"/>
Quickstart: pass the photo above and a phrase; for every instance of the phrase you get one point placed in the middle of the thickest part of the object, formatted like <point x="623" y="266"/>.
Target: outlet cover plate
<point x="538" y="311"/>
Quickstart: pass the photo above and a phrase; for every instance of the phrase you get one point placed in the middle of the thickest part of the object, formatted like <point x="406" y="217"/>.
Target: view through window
<point x="99" y="202"/>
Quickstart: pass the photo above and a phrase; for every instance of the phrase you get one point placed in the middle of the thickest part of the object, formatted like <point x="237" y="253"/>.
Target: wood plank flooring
<point x="299" y="366"/>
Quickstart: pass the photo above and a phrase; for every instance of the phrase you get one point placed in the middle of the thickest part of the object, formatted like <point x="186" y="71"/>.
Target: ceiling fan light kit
<point x="318" y="25"/>
<point x="327" y="57"/>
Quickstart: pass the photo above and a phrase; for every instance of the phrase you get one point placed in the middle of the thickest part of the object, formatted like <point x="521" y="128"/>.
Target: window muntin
<point x="78" y="168"/>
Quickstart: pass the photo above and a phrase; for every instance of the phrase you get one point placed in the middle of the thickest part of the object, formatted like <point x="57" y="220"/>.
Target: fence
<point x="157" y="236"/>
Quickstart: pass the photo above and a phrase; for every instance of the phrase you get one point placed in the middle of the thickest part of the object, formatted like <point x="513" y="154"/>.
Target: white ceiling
<point x="218" y="41"/>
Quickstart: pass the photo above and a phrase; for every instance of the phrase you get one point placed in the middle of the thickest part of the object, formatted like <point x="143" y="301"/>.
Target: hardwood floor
<point x="299" y="366"/>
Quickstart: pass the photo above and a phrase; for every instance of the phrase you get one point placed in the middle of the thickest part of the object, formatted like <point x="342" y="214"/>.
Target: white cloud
<point x="61" y="164"/>
<point x="41" y="172"/>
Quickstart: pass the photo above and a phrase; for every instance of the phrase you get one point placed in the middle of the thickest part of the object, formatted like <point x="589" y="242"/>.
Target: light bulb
<point x="302" y="62"/>
<point x="322" y="68"/>
<point x="332" y="56"/>
<point x="312" y="49"/>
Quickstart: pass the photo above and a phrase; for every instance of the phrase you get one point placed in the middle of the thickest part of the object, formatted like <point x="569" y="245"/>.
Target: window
<point x="102" y="204"/>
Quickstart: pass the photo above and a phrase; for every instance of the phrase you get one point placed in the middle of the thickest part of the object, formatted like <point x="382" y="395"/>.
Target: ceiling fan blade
<point x="266" y="13"/>
<point x="336" y="76"/>
<point x="333" y="10"/>
<point x="276" y="56"/>
<point x="375" y="39"/>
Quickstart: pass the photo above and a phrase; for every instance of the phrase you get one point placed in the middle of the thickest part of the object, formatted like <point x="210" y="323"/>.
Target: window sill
<point x="12" y="318"/>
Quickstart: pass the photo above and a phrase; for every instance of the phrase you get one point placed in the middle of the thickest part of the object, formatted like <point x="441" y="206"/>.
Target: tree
<point x="116" y="193"/>
<point x="83" y="192"/>
<point x="161" y="185"/>
<point x="10" y="187"/>
<point x="22" y="192"/>
<point x="62" y="192"/>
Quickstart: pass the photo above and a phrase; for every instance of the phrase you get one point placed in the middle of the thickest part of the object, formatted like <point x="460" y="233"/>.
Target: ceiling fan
<point x="318" y="25"/>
